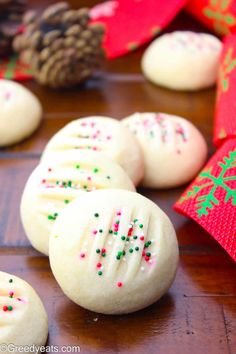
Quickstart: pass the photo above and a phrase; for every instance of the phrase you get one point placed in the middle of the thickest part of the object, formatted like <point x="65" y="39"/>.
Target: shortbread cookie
<point x="20" y="112"/>
<point x="113" y="251"/>
<point x="51" y="187"/>
<point x="23" y="319"/>
<point x="173" y="148"/>
<point x="101" y="134"/>
<point x="183" y="60"/>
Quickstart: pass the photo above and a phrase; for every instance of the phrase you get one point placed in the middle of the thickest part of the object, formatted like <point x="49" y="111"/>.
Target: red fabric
<point x="225" y="115"/>
<point x="211" y="199"/>
<point x="130" y="23"/>
<point x="218" y="15"/>
<point x="11" y="68"/>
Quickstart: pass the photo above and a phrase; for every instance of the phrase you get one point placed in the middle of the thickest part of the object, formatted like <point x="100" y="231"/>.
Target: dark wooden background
<point x="198" y="315"/>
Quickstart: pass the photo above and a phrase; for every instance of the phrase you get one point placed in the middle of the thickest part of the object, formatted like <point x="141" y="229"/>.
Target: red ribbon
<point x="211" y="198"/>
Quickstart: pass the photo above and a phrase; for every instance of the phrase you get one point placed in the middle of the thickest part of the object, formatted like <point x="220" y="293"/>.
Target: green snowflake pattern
<point x="228" y="65"/>
<point x="218" y="11"/>
<point x="208" y="201"/>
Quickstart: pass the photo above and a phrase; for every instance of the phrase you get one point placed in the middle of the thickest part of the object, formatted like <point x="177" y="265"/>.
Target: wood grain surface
<point x="198" y="315"/>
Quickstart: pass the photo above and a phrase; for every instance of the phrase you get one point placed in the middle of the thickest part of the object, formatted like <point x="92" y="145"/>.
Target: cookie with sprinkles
<point x="20" y="112"/>
<point x="103" y="135"/>
<point x="52" y="186"/>
<point x="113" y="251"/>
<point x="23" y="319"/>
<point x="174" y="150"/>
<point x="183" y="60"/>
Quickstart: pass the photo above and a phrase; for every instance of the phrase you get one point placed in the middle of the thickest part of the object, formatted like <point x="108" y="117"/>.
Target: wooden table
<point x="198" y="315"/>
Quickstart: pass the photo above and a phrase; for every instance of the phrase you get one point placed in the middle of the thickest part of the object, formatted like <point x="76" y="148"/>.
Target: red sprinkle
<point x="99" y="265"/>
<point x="43" y="180"/>
<point x="147" y="258"/>
<point x="103" y="250"/>
<point x="142" y="238"/>
<point x="95" y="232"/>
<point x="5" y="308"/>
<point x="119" y="284"/>
<point x="118" y="213"/>
<point x="82" y="255"/>
<point x="143" y="254"/>
<point x="49" y="170"/>
<point x="130" y="231"/>
<point x="11" y="293"/>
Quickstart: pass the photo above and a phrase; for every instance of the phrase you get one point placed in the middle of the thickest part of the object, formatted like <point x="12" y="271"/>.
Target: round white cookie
<point x="20" y="112"/>
<point x="23" y="319"/>
<point x="183" y="60"/>
<point x="173" y="148"/>
<point x="52" y="186"/>
<point x="113" y="251"/>
<point x="101" y="134"/>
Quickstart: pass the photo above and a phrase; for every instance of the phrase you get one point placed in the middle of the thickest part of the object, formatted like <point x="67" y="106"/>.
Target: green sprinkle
<point x="101" y="230"/>
<point x="104" y="254"/>
<point x="96" y="215"/>
<point x="135" y="220"/>
<point x="131" y="250"/>
<point x="66" y="201"/>
<point x="141" y="226"/>
<point x="108" y="177"/>
<point x="122" y="238"/>
<point x="95" y="170"/>
<point x="10" y="308"/>
<point x="97" y="250"/>
<point x="10" y="280"/>
<point x="50" y="217"/>
<point x="100" y="272"/>
<point x="110" y="232"/>
<point x="69" y="183"/>
<point x="55" y="214"/>
<point x="57" y="182"/>
<point x="137" y="248"/>
<point x="127" y="238"/>
<point x="148" y="254"/>
<point x="77" y="166"/>
<point x="85" y="187"/>
<point x="149" y="242"/>
<point x="117" y="222"/>
<point x="146" y="245"/>
<point x="123" y="253"/>
<point x="117" y="257"/>
<point x="115" y="233"/>
<point x="135" y="237"/>
<point x="120" y="253"/>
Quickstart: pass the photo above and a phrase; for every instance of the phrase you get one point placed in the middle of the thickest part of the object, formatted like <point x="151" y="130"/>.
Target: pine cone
<point x="10" y="18"/>
<point x="60" y="45"/>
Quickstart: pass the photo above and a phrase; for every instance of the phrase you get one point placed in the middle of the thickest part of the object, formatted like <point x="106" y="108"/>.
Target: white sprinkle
<point x="142" y="269"/>
<point x="124" y="259"/>
<point x="109" y="243"/>
<point x="95" y="319"/>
